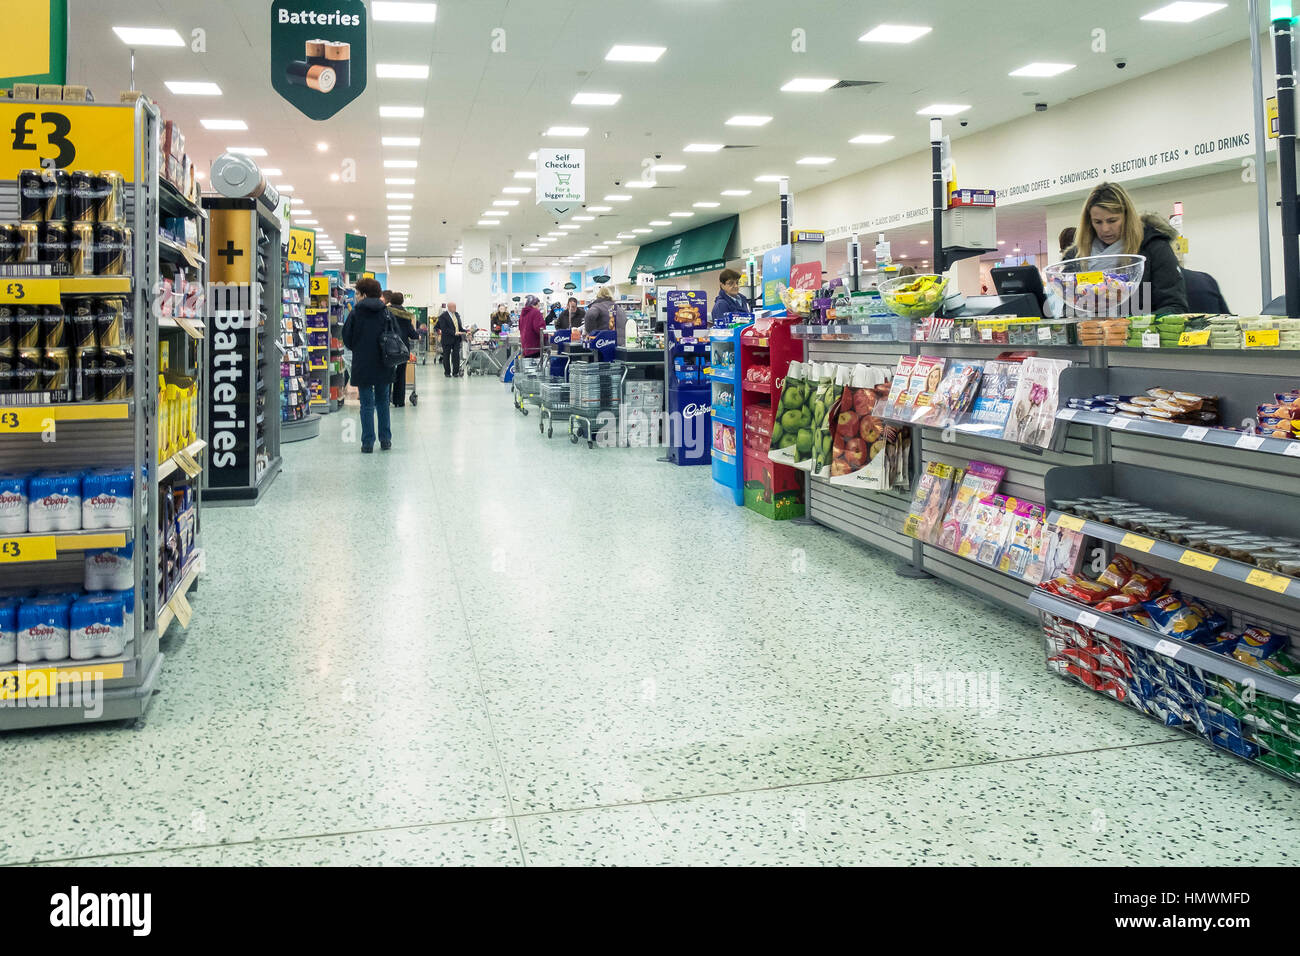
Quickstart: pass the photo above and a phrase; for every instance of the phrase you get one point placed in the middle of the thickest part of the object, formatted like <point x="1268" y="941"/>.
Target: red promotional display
<point x="775" y="491"/>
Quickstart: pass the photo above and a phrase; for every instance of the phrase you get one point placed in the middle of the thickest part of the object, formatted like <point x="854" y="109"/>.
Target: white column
<point x="453" y="283"/>
<point x="476" y="290"/>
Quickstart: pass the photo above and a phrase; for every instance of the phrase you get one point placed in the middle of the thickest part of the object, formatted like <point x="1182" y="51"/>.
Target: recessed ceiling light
<point x="334" y="177"/>
<point x="625" y="235"/>
<point x="505" y="202"/>
<point x="1016" y="249"/>
<point x="399" y="207"/>
<point x="583" y="218"/>
<point x="309" y="222"/>
<point x="1184" y="12"/>
<point x="402" y="71"/>
<point x="223" y="124"/>
<point x="804" y="84"/>
<point x="555" y="234"/>
<point x="747" y="120"/>
<point x="1043" y="69"/>
<point x="625" y="53"/>
<point x="397" y="181"/>
<point x="149" y="36"/>
<point x="302" y="212"/>
<point x="517" y="190"/>
<point x="596" y="99"/>
<point x="702" y="147"/>
<point x="397" y="262"/>
<point x="706" y="205"/>
<point x="394" y="217"/>
<point x="888" y="33"/>
<point x="736" y="192"/>
<point x="639" y="184"/>
<point x="667" y="168"/>
<point x="488" y="222"/>
<point x="272" y="173"/>
<point x="612" y="244"/>
<point x="246" y="150"/>
<point x="618" y="197"/>
<point x="401" y="195"/>
<point x="403" y="12"/>
<point x="567" y="131"/>
<point x="399" y="140"/>
<point x="532" y="155"/>
<point x="642" y="232"/>
<point x="525" y="174"/>
<point x="681" y="215"/>
<point x="352" y="218"/>
<point x="200" y="174"/>
<point x="400" y="164"/>
<point x="1002" y="242"/>
<point x="871" y="139"/>
<point x="600" y="209"/>
<point x="815" y="161"/>
<point x="925" y="242"/>
<point x="660" y="222"/>
<point x="402" y="112"/>
<point x="942" y="109"/>
<point x="496" y="212"/>
<point x="770" y="178"/>
<point x="570" y="228"/>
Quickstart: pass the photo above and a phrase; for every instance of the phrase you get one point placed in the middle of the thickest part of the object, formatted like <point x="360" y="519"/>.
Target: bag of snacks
<point x="862" y="442"/>
<point x="793" y="418"/>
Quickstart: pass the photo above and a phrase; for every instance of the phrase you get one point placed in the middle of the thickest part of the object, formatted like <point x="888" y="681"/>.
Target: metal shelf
<point x="1207" y="660"/>
<point x="172" y="463"/>
<point x="173" y="202"/>
<point x="36" y="546"/>
<point x="169" y="249"/>
<point x="1187" y="557"/>
<point x="1221" y="437"/>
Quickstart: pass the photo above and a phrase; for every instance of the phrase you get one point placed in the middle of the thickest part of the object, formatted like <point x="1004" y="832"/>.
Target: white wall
<point x="419" y="284"/>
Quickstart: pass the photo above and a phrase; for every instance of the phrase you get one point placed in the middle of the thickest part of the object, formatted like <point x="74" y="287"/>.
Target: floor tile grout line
<point x="648" y="804"/>
<point x="469" y="639"/>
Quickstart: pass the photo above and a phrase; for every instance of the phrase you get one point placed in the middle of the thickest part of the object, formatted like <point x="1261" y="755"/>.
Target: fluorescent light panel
<point x="567" y="131"/>
<point x="629" y="53"/>
<point x="702" y="147"/>
<point x="525" y="174"/>
<point x="943" y="109"/>
<point x="246" y="150"/>
<point x="681" y="215"/>
<point x="149" y="36"/>
<point x="596" y="99"/>
<point x="517" y="190"/>
<point x="736" y="192"/>
<point x="617" y="197"/>
<point x="399" y="207"/>
<point x="748" y="120"/>
<point x="505" y="202"/>
<point x="667" y="168"/>
<point x="889" y="33"/>
<point x="600" y="209"/>
<point x="871" y="139"/>
<point x="401" y="195"/>
<point x="488" y="222"/>
<point x="660" y="222"/>
<point x="235" y="124"/>
<point x="706" y="205"/>
<point x="1043" y="69"/>
<point x="1183" y="12"/>
<point x="400" y="164"/>
<point x="399" y="181"/>
<point x="400" y="140"/>
<point x="639" y="184"/>
<point x="770" y="178"/>
<point x="272" y="173"/>
<point x="815" y="161"/>
<point x="805" y="84"/>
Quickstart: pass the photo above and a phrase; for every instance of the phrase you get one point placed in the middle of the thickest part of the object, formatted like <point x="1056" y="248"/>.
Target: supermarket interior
<point x="581" y="433"/>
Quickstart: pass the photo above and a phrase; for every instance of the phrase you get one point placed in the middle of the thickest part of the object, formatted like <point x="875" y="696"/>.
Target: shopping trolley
<point x="422" y="345"/>
<point x="555" y="404"/>
<point x="595" y="394"/>
<point x="483" y="359"/>
<point x="527" y="385"/>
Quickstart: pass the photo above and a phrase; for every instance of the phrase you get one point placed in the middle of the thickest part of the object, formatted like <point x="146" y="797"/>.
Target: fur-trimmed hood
<point x="1159" y="224"/>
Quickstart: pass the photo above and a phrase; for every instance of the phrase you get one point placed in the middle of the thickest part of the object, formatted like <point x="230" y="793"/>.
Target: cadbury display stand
<point x="689" y="390"/>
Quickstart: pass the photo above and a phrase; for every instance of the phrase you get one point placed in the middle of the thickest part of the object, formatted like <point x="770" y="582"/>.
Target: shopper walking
<point x="361" y="332"/>
<point x="1110" y="225"/>
<point x="730" y="299"/>
<point x="451" y="331"/>
<point x="531" y="326"/>
<point x="571" y="317"/>
<point x="599" y="315"/>
<point x="406" y="326"/>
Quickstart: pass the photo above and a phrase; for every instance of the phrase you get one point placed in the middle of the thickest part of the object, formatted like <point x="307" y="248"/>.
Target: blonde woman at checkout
<point x="600" y="314"/>
<point x="1110" y="226"/>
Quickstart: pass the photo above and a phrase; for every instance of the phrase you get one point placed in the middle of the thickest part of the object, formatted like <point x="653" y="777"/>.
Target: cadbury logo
<point x="695" y="411"/>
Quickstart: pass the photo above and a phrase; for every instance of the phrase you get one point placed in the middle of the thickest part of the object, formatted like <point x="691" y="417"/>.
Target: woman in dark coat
<point x="361" y="331"/>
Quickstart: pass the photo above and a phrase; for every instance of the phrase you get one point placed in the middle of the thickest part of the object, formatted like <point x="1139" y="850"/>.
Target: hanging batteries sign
<point x="318" y="54"/>
<point x="561" y="181"/>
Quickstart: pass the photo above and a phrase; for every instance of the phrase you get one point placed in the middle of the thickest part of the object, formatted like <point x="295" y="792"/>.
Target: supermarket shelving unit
<point x="103" y="434"/>
<point x="337" y="314"/>
<point x="318" y="344"/>
<point x="245" y="261"/>
<point x="297" y="421"/>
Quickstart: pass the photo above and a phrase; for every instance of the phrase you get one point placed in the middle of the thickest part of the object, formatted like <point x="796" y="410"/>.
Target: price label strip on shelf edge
<point x="1087" y="619"/>
<point x="1167" y="648"/>
<point x="1186" y="339"/>
<point x="1137" y="542"/>
<point x="1250" y="442"/>
<point x="29" y="682"/>
<point x="29" y="292"/>
<point x="190" y="329"/>
<point x="1070" y="522"/>
<point x="188" y="463"/>
<point x="1265" y="579"/>
<point x="180" y="606"/>
<point x="1262" y="339"/>
<point x="1195" y="559"/>
<point x="1119" y="422"/>
<point x="1067" y="414"/>
<point x="1195" y="433"/>
<point x="1292" y="449"/>
<point x="23" y="550"/>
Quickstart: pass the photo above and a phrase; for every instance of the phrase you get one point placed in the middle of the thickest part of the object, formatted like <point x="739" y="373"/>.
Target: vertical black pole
<point x="855" y="265"/>
<point x="786" y="212"/>
<point x="1286" y="163"/>
<point x="937" y="193"/>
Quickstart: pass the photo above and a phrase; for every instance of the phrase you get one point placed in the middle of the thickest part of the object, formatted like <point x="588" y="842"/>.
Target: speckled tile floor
<point x="485" y="647"/>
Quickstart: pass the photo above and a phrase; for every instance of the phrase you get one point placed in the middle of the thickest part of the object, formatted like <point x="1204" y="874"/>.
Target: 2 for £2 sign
<point x="58" y="136"/>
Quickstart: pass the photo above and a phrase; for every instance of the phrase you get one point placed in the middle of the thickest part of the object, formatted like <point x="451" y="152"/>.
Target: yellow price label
<point x="1195" y="559"/>
<point x="1137" y="542"/>
<point x="18" y="550"/>
<point x="29" y="292"/>
<point x="1194" y="338"/>
<point x="1070" y="522"/>
<point x="1089" y="277"/>
<point x="25" y="421"/>
<point x="320" y="285"/>
<point x="302" y="246"/>
<point x="45" y="681"/>
<point x="1001" y="326"/>
<point x="1263" y="339"/>
<point x="1265" y="579"/>
<point x="62" y="136"/>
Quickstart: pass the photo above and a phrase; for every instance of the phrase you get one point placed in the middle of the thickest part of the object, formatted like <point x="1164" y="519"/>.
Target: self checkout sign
<point x="59" y="136"/>
<point x="318" y="54"/>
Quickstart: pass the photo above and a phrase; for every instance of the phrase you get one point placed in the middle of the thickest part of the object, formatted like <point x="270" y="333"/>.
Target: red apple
<point x="855" y="453"/>
<point x="869" y="430"/>
<point x="864" y="401"/>
<point x="840" y="467"/>
<point x="847" y="424"/>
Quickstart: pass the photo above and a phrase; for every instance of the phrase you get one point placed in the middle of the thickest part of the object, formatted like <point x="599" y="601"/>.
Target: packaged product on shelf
<point x="983" y="529"/>
<point x="96" y="628"/>
<point x="43" y="630"/>
<point x="998" y="532"/>
<point x="54" y="501"/>
<point x="13" y="503"/>
<point x="107" y="498"/>
<point x="817" y="405"/>
<point x="991" y="409"/>
<point x="926" y="376"/>
<point x="898" y="388"/>
<point x="792" y="421"/>
<point x="109" y="569"/>
<point x="860" y="433"/>
<point x="980" y="481"/>
<point x="930" y="501"/>
<point x="1062" y="550"/>
<point x="1022" y="554"/>
<point x="1033" y="411"/>
<point x="953" y="396"/>
<point x="825" y="428"/>
<point x="8" y="630"/>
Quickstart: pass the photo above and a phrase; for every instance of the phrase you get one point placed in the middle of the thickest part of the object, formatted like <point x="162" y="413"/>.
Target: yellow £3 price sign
<point x="29" y="292"/>
<point x="63" y="136"/>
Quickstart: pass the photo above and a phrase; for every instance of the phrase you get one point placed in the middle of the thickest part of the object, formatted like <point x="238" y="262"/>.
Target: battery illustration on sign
<point x="318" y="54"/>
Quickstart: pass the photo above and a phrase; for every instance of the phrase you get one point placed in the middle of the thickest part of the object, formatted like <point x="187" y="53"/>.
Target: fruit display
<point x="792" y="422"/>
<point x="860" y="434"/>
<point x="797" y="301"/>
<point x="914" y="297"/>
<point x="824" y="435"/>
<point x="1096" y="285"/>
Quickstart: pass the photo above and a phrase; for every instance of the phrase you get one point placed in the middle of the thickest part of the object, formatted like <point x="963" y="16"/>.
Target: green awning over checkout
<point x="702" y="249"/>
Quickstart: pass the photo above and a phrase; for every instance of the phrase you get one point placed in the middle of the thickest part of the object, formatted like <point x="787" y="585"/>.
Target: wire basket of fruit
<point x="914" y="297"/>
<point x="797" y="302"/>
<point x="1097" y="285"/>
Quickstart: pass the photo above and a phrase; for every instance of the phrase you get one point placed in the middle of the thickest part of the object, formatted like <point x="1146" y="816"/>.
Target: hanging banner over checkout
<point x="561" y="181"/>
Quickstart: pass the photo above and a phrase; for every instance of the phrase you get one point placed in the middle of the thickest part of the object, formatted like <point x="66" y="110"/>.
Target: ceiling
<point x="486" y="111"/>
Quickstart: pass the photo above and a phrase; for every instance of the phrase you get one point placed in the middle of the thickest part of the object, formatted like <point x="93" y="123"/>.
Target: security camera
<point x="1121" y="62"/>
<point x="444" y="222"/>
<point x="659" y="155"/>
<point x="1040" y="107"/>
<point x="965" y="122"/>
<point x="618" y="182"/>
